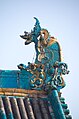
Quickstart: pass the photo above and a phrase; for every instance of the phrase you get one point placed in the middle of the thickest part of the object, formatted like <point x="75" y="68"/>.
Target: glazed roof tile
<point x="25" y="108"/>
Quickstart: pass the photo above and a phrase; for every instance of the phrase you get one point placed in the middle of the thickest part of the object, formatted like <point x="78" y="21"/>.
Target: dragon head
<point x="32" y="36"/>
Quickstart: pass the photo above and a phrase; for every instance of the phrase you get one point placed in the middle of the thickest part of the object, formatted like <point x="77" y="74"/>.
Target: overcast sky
<point x="61" y="18"/>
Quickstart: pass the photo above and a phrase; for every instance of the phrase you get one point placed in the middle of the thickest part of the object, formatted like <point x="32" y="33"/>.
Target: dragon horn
<point x="37" y="21"/>
<point x="37" y="27"/>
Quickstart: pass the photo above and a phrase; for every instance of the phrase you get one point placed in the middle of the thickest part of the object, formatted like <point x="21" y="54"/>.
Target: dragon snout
<point x="25" y="36"/>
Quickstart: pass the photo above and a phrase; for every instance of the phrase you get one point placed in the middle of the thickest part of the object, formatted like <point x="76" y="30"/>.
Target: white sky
<point x="61" y="18"/>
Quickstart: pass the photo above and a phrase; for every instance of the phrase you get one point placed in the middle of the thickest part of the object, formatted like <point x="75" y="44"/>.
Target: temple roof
<point x="26" y="108"/>
<point x="28" y="104"/>
<point x="33" y="91"/>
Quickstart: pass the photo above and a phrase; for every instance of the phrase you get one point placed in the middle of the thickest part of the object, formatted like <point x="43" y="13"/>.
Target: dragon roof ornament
<point x="46" y="72"/>
<point x="35" y="87"/>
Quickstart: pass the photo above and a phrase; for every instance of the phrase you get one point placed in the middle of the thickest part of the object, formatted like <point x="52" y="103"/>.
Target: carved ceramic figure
<point x="48" y="68"/>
